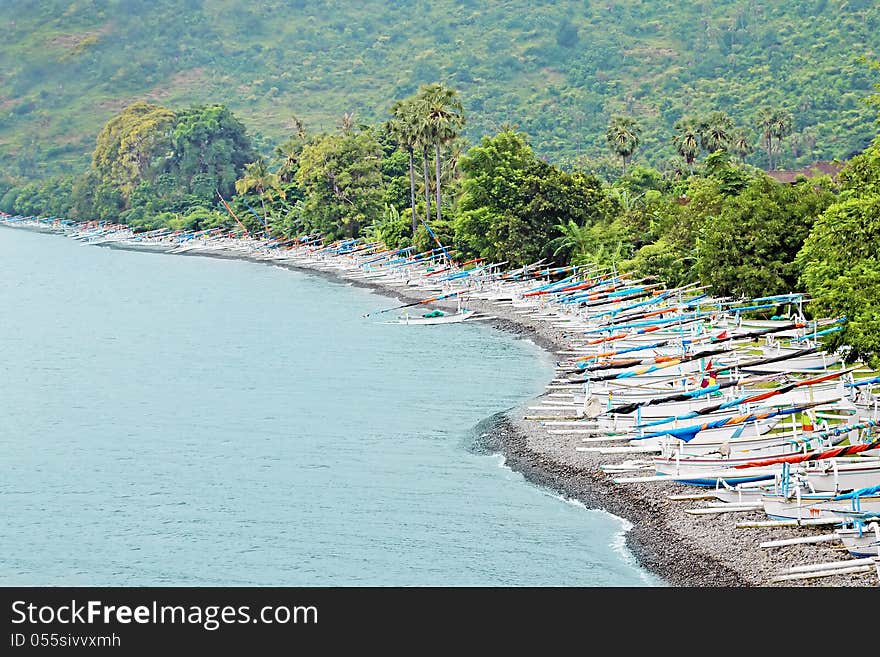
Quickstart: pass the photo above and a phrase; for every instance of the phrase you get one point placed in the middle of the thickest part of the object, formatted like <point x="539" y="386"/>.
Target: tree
<point x="341" y="182"/>
<point x="431" y="119"/>
<point x="346" y="123"/>
<point x="687" y="140"/>
<point x="567" y="34"/>
<point x="133" y="145"/>
<point x="675" y="225"/>
<point x="622" y="136"/>
<point x="512" y="202"/>
<point x="445" y="118"/>
<point x="740" y="144"/>
<point x="841" y="261"/>
<point x="732" y="177"/>
<point x="163" y="161"/>
<point x="774" y="123"/>
<point x="861" y="175"/>
<point x="716" y="131"/>
<point x="749" y="248"/>
<point x="424" y="139"/>
<point x="841" y="258"/>
<point x="210" y="140"/>
<point x="405" y="128"/>
<point x="874" y="99"/>
<point x="575" y="241"/>
<point x="258" y="177"/>
<point x="391" y="229"/>
<point x="288" y="152"/>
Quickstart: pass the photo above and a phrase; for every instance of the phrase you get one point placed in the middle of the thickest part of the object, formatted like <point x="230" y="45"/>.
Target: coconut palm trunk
<point x="412" y="188"/>
<point x="442" y="119"/>
<point x="437" y="176"/>
<point x="427" y="184"/>
<point x="265" y="214"/>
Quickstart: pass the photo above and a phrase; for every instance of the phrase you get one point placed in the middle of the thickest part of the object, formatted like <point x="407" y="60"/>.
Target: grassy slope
<point x="66" y="66"/>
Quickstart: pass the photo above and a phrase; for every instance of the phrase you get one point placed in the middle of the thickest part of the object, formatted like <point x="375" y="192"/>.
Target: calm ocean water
<point x="189" y="421"/>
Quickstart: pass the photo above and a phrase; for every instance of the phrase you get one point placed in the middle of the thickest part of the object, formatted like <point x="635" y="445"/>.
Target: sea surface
<point x="170" y="420"/>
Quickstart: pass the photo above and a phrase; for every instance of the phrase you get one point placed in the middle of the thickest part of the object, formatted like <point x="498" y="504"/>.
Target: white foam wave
<point x="618" y="544"/>
<point x="569" y="500"/>
<point x="618" y="539"/>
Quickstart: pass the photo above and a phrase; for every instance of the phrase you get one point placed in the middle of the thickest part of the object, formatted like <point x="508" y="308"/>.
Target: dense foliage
<point x="841" y="257"/>
<point x="512" y="202"/>
<point x="766" y="224"/>
<point x="407" y="181"/>
<point x="557" y="69"/>
<point x="341" y="182"/>
<point x="151" y="161"/>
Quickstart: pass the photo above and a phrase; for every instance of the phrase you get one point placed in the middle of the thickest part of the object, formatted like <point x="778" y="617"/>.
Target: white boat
<point x="809" y="362"/>
<point x="746" y="493"/>
<point x="818" y="505"/>
<point x="861" y="541"/>
<point x="717" y="435"/>
<point x="436" y="317"/>
<point x="746" y="447"/>
<point x="843" y="474"/>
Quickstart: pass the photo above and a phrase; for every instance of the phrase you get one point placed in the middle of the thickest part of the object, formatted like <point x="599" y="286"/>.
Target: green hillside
<point x="558" y="69"/>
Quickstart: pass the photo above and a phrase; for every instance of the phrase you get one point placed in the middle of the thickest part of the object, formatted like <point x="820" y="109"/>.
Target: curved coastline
<point x="682" y="549"/>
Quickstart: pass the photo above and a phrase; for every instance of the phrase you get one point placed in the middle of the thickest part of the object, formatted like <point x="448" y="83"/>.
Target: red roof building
<point x="815" y="169"/>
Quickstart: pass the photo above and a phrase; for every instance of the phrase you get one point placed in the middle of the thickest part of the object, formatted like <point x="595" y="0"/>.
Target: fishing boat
<point x="843" y="474"/>
<point x="434" y="317"/>
<point x="861" y="541"/>
<point x="858" y="503"/>
<point x="744" y="493"/>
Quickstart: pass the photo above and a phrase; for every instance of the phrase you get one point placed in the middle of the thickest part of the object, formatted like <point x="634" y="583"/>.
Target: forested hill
<point x="556" y="69"/>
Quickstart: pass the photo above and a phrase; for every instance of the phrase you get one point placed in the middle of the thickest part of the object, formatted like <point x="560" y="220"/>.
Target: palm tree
<point x="257" y="176"/>
<point x="288" y="156"/>
<point x="622" y="136"/>
<point x="346" y="123"/>
<point x="715" y="131"/>
<point x="425" y="139"/>
<point x="445" y="119"/>
<point x="783" y="124"/>
<point x="454" y="151"/>
<point x="740" y="145"/>
<point x="687" y="141"/>
<point x="290" y="151"/>
<point x="774" y="124"/>
<point x="575" y="241"/>
<point x="404" y="127"/>
<point x="627" y="200"/>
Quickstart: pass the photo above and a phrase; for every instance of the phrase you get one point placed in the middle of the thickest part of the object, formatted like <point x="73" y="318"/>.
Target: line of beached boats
<point x="734" y="397"/>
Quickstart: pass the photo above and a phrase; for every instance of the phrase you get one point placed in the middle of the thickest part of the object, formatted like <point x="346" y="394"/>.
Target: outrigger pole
<point x="262" y="220"/>
<point x="414" y="303"/>
<point x="229" y="210"/>
<point x="437" y="240"/>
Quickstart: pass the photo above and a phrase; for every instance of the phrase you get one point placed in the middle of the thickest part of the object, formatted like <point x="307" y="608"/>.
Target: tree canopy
<point x="342" y="183"/>
<point x="707" y="217"/>
<point x="841" y="257"/>
<point x="512" y="202"/>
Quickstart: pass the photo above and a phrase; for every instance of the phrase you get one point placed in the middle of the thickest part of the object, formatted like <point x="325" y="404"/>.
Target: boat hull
<point x="432" y="321"/>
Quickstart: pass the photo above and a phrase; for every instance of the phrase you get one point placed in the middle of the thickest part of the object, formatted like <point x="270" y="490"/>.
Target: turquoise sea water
<point x="171" y="420"/>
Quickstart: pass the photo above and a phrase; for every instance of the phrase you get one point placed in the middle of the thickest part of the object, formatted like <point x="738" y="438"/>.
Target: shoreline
<point x="681" y="549"/>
